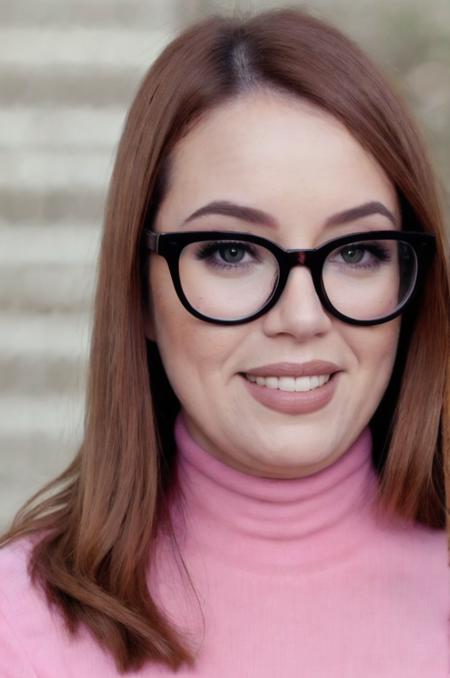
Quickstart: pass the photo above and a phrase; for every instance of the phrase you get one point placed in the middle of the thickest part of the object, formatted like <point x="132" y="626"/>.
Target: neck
<point x="264" y="523"/>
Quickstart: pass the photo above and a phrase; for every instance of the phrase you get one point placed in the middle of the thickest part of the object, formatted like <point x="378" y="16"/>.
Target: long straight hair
<point x="97" y="522"/>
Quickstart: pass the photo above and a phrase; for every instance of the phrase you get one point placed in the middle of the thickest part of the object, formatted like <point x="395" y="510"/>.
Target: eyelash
<point x="381" y="254"/>
<point x="206" y="252"/>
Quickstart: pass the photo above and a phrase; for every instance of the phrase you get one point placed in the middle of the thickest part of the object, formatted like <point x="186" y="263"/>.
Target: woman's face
<point x="300" y="166"/>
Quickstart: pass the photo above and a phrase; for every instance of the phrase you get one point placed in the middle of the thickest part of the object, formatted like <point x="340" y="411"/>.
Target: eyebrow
<point x="230" y="209"/>
<point x="255" y="216"/>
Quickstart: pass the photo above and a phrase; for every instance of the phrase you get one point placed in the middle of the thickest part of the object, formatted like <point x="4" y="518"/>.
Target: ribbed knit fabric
<point x="298" y="578"/>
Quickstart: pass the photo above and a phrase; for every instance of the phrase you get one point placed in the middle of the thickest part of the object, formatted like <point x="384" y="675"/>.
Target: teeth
<point x="297" y="384"/>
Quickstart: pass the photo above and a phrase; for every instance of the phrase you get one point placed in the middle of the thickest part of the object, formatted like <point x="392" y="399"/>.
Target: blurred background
<point x="68" y="72"/>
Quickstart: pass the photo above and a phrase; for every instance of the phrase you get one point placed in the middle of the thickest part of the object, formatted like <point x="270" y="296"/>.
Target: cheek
<point x="375" y="348"/>
<point x="193" y="352"/>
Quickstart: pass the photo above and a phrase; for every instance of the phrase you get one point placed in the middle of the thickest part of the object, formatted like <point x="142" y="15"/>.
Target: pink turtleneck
<point x="293" y="578"/>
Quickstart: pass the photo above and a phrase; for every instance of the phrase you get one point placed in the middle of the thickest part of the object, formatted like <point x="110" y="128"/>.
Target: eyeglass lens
<point x="364" y="280"/>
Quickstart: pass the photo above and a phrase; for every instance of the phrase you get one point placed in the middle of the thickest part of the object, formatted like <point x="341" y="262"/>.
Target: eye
<point x="228" y="254"/>
<point x="362" y="255"/>
<point x="352" y="254"/>
<point x="232" y="254"/>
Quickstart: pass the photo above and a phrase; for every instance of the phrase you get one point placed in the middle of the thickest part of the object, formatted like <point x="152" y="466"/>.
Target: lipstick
<point x="293" y="402"/>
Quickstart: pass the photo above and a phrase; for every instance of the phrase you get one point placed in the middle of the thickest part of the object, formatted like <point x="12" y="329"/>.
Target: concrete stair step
<point x="111" y="13"/>
<point x="51" y="416"/>
<point x="47" y="268"/>
<point x="38" y="438"/>
<point x="58" y="207"/>
<point x="46" y="170"/>
<point x="36" y="129"/>
<point x="63" y="85"/>
<point x="81" y="46"/>
<point x="43" y="353"/>
<point x="44" y="288"/>
<point x="66" y="244"/>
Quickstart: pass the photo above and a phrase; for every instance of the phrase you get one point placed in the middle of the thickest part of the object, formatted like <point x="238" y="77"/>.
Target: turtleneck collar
<point x="269" y="524"/>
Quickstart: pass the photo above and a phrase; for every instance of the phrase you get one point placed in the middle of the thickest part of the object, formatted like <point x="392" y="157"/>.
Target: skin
<point x="286" y="157"/>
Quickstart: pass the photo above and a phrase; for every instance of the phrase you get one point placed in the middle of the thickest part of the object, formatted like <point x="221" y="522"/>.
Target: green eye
<point x="352" y="254"/>
<point x="231" y="254"/>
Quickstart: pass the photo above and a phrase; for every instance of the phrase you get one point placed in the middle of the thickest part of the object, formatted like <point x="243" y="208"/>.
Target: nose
<point x="299" y="311"/>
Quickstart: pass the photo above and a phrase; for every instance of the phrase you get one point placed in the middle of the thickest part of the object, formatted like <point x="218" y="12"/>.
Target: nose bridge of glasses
<point x="306" y="260"/>
<point x="300" y="301"/>
<point x="301" y="258"/>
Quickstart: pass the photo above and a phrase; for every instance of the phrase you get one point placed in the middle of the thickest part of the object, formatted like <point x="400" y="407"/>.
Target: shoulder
<point x="17" y="602"/>
<point x="420" y="551"/>
<point x="428" y="550"/>
<point x="14" y="576"/>
<point x="430" y="544"/>
<point x="15" y="581"/>
<point x="34" y="639"/>
<point x="16" y="552"/>
<point x="23" y="611"/>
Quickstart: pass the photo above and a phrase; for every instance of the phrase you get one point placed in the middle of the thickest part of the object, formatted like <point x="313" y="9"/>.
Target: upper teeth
<point x="291" y="383"/>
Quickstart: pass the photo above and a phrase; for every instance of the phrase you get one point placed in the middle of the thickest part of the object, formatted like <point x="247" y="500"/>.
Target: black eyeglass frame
<point x="170" y="246"/>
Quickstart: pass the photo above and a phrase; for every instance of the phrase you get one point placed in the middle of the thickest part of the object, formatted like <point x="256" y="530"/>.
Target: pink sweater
<point x="296" y="578"/>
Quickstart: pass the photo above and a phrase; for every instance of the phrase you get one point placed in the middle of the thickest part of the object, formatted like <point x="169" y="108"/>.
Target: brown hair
<point x="102" y="516"/>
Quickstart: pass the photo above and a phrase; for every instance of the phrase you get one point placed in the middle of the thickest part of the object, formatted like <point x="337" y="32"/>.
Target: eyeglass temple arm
<point x="151" y="240"/>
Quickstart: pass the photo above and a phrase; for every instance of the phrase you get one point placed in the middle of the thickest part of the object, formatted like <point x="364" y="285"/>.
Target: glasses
<point x="230" y="278"/>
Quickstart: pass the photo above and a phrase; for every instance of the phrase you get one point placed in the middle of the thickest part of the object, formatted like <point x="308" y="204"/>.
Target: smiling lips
<point x="291" y="384"/>
<point x="293" y="388"/>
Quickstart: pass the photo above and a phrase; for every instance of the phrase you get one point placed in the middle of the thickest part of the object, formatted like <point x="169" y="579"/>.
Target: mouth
<point x="292" y="395"/>
<point x="290" y="384"/>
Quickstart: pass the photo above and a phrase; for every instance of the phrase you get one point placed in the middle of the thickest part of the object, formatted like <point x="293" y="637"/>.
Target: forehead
<point x="277" y="153"/>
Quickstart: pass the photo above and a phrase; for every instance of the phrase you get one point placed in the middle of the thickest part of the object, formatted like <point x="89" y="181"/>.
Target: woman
<point x="260" y="488"/>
